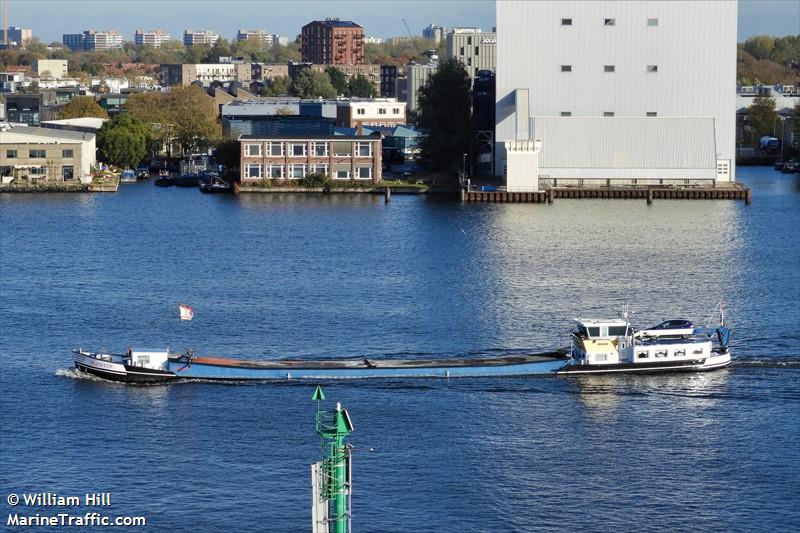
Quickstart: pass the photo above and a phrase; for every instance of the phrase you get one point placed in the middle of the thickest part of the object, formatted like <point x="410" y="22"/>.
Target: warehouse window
<point x="652" y="68"/>
<point x="608" y="113"/>
<point x="652" y="114"/>
<point x="609" y="22"/>
<point x="609" y="68"/>
<point x="566" y="68"/>
<point x="652" y="22"/>
<point x="566" y="22"/>
<point x="566" y="113"/>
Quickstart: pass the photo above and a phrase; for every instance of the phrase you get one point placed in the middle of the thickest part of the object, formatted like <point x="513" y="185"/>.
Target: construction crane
<point x="4" y="6"/>
<point x="407" y="29"/>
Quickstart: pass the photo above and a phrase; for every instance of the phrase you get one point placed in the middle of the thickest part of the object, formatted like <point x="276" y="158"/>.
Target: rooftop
<point x="336" y="23"/>
<point x="84" y="122"/>
<point x="44" y="134"/>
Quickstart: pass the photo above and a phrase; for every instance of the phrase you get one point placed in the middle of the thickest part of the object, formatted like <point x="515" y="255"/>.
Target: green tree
<point x="122" y="141"/>
<point x="761" y="116"/>
<point x="338" y="80"/>
<point x="359" y="85"/>
<point x="82" y="106"/>
<point x="277" y="86"/>
<point x="193" y="117"/>
<point x="760" y="46"/>
<point x="444" y="115"/>
<point x="313" y="84"/>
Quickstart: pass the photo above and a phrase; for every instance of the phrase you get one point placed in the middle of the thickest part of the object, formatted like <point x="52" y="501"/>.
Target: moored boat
<point x="214" y="185"/>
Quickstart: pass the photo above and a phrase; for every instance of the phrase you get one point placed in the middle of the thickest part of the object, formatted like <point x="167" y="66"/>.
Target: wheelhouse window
<point x="617" y="331"/>
<point x="594" y="331"/>
<point x="252" y="150"/>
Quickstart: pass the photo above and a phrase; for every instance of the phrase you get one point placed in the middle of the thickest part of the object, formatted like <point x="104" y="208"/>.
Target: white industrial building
<point x="617" y="92"/>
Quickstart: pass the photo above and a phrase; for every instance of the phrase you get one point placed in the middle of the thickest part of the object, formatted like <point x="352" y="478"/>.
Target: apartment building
<point x="260" y="36"/>
<point x="416" y="77"/>
<point x="376" y="112"/>
<point x="17" y="36"/>
<point x="293" y="157"/>
<point x="605" y="77"/>
<point x="92" y="40"/>
<point x="52" y="68"/>
<point x="188" y="73"/>
<point x="333" y="42"/>
<point x="204" y="37"/>
<point x="154" y="38"/>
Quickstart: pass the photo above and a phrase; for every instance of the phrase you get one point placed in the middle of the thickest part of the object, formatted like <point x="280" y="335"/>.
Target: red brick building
<point x="293" y="157"/>
<point x="333" y="42"/>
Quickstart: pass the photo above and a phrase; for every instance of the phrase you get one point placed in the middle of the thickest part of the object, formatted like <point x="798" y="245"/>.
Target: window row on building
<point x="381" y="111"/>
<point x="609" y="114"/>
<point x="650" y="69"/>
<point x="609" y="22"/>
<point x="296" y="171"/>
<point x="304" y="149"/>
<point x="36" y="153"/>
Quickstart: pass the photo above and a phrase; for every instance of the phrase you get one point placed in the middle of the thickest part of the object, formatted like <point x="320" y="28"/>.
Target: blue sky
<point x="382" y="18"/>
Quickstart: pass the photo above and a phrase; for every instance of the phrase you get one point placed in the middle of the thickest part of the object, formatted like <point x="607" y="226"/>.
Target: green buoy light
<point x="331" y="480"/>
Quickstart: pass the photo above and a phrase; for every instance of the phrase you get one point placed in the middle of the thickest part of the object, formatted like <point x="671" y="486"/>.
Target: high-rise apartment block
<point x="435" y="33"/>
<point x="618" y="92"/>
<point x="260" y="36"/>
<point x="92" y="41"/>
<point x="333" y="42"/>
<point x="206" y="37"/>
<point x="17" y="36"/>
<point x="154" y="38"/>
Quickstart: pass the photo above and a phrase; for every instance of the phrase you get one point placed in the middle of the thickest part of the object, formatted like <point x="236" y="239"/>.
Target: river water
<point x="274" y="276"/>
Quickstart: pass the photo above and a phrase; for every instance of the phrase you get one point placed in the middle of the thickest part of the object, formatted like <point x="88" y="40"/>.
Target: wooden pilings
<point x="648" y="194"/>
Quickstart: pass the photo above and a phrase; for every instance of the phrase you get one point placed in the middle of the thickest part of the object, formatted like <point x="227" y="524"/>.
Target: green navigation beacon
<point x="331" y="481"/>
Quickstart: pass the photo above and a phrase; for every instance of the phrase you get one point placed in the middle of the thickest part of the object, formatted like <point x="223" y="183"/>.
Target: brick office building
<point x="333" y="42"/>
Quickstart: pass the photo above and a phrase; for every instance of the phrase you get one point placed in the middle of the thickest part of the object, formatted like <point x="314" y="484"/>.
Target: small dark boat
<point x="187" y="180"/>
<point x="214" y="186"/>
<point x="164" y="181"/>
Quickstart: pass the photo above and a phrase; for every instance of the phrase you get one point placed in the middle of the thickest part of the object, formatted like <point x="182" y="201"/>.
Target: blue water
<point x="275" y="276"/>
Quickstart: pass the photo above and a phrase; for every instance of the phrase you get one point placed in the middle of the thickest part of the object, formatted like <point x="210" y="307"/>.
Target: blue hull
<point x="199" y="370"/>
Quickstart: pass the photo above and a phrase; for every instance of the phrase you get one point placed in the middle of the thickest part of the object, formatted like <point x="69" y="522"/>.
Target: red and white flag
<point x="187" y="313"/>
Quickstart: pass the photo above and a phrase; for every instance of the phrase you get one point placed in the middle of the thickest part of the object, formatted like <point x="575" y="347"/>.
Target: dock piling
<point x="649" y="196"/>
<point x="387" y="196"/>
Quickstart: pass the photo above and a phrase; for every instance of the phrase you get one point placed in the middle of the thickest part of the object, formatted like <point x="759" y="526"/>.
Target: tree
<point x="82" y="106"/>
<point x="194" y="119"/>
<point x="122" y="141"/>
<point x="338" y="80"/>
<point x="277" y="86"/>
<point x="761" y="116"/>
<point x="760" y="46"/>
<point x="313" y="84"/>
<point x="444" y="115"/>
<point x="359" y="85"/>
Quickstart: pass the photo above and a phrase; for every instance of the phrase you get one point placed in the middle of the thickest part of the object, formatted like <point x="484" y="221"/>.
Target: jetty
<point x="650" y="194"/>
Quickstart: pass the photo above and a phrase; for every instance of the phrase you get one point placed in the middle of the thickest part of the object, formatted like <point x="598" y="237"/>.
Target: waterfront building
<point x="52" y="68"/>
<point x="293" y="157"/>
<point x="46" y="154"/>
<point x="434" y="32"/>
<point x="17" y="37"/>
<point x="260" y="36"/>
<point x="475" y="49"/>
<point x="332" y="42"/>
<point x="417" y="76"/>
<point x="605" y="77"/>
<point x="206" y="37"/>
<point x="154" y="38"/>
<point x="785" y="127"/>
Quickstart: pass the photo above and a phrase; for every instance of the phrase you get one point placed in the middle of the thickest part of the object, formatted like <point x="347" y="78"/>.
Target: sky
<point x="49" y="19"/>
